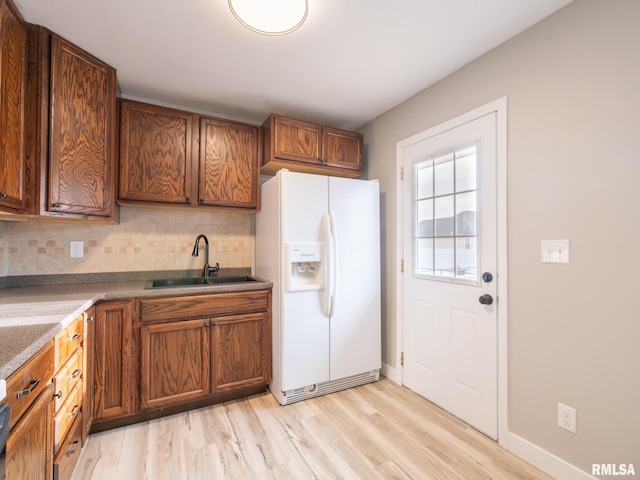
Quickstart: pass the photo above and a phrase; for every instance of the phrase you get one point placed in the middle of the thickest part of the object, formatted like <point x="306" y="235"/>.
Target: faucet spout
<point x="207" y="270"/>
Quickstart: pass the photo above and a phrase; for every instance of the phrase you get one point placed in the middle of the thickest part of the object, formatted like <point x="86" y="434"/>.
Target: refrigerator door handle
<point x="333" y="264"/>
<point x="328" y="226"/>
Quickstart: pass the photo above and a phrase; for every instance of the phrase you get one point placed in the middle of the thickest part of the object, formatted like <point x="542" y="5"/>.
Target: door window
<point x="446" y="215"/>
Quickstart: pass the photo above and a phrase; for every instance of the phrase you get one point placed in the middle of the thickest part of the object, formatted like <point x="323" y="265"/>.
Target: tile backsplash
<point x="146" y="239"/>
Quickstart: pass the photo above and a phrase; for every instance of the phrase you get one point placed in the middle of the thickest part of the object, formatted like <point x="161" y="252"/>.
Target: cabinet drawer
<point x="63" y="420"/>
<point x="67" y="457"/>
<point x="168" y="309"/>
<point x="68" y="340"/>
<point x="67" y="377"/>
<point x="26" y="383"/>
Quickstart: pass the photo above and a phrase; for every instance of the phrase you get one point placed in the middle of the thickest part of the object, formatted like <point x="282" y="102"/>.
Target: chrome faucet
<point x="207" y="271"/>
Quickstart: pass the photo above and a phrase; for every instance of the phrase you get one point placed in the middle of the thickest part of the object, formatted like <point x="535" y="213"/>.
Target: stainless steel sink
<point x="197" y="281"/>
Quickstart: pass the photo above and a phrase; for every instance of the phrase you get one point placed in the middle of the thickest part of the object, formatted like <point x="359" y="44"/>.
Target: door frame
<point x="498" y="106"/>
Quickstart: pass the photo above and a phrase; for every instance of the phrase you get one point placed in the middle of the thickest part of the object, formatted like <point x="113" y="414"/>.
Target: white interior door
<point x="449" y="249"/>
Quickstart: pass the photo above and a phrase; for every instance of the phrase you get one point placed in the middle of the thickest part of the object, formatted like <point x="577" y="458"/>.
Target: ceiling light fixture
<point x="270" y="17"/>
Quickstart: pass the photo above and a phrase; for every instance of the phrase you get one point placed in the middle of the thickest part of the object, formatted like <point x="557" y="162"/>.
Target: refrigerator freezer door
<point x="305" y="330"/>
<point x="355" y="331"/>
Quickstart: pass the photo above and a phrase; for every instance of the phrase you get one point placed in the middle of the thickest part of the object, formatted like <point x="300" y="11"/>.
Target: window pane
<point x="466" y="170"/>
<point x="444" y="216"/>
<point x="467" y="258"/>
<point x="466" y="214"/>
<point x="424" y="227"/>
<point x="424" y="256"/>
<point x="444" y="257"/>
<point x="424" y="179"/>
<point x="444" y="174"/>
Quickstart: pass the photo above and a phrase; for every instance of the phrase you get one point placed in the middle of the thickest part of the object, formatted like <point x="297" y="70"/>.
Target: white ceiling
<point x="350" y="62"/>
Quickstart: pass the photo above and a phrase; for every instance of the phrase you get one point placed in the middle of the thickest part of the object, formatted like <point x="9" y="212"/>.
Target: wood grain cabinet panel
<point x="202" y="346"/>
<point x="241" y="352"/>
<point x="29" y="446"/>
<point x="13" y="81"/>
<point x="229" y="166"/>
<point x="81" y="130"/>
<point x="306" y="147"/>
<point x="174" y="364"/>
<point x="173" y="157"/>
<point x="75" y="131"/>
<point x="114" y="361"/>
<point x="155" y="153"/>
<point x="88" y="360"/>
<point x="25" y="384"/>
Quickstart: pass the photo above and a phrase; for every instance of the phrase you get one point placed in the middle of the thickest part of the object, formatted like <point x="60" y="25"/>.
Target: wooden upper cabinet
<point x="173" y="157"/>
<point x="77" y="100"/>
<point x="296" y="140"/>
<point x="342" y="149"/>
<point x="306" y="147"/>
<point x="155" y="153"/>
<point x="81" y="131"/>
<point x="13" y="71"/>
<point x="229" y="165"/>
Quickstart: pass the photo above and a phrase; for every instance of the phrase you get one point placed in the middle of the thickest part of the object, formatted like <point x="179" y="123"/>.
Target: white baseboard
<point x="391" y="373"/>
<point x="545" y="461"/>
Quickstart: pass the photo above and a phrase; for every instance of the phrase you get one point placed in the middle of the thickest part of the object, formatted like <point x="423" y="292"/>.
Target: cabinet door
<point x="156" y="146"/>
<point x="88" y="378"/>
<point x="296" y="140"/>
<point x="114" y="366"/>
<point x="174" y="364"/>
<point x="229" y="164"/>
<point x="13" y="70"/>
<point x="240" y="351"/>
<point x="342" y="149"/>
<point x="29" y="446"/>
<point x="81" y="132"/>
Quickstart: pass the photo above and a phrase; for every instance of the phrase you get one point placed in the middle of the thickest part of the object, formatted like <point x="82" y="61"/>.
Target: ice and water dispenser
<point x="304" y="267"/>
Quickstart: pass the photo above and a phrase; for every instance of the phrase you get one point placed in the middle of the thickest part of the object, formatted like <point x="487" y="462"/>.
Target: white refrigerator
<point x="318" y="241"/>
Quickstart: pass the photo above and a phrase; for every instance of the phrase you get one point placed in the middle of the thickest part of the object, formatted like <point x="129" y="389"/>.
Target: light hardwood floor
<point x="377" y="431"/>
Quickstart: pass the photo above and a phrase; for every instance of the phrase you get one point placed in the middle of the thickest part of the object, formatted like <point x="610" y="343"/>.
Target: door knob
<point x="486" y="299"/>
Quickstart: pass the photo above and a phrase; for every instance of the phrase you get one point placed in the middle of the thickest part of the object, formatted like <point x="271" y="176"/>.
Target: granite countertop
<point x="30" y="316"/>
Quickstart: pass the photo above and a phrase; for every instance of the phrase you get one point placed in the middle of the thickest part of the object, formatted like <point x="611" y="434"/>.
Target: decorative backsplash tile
<point x="145" y="239"/>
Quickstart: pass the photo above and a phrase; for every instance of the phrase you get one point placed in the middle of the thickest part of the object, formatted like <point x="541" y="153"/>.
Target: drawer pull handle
<point x="76" y="373"/>
<point x="75" y="337"/>
<point x="72" y="447"/>
<point x="59" y="394"/>
<point x="74" y="412"/>
<point x="32" y="385"/>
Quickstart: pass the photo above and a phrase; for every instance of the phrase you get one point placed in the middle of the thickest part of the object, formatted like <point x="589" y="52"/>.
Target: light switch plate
<point x="554" y="251"/>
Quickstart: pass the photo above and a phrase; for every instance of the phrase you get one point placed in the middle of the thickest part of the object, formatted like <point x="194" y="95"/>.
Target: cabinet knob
<point x="188" y="199"/>
<point x="56" y="205"/>
<point x="201" y="200"/>
<point x="58" y="395"/>
<point x="3" y="194"/>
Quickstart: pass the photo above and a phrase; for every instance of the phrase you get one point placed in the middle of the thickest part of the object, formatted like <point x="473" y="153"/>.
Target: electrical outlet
<point x="76" y="249"/>
<point x="567" y="417"/>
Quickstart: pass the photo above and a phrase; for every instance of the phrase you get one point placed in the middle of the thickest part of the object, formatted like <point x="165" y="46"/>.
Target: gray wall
<point x="573" y="88"/>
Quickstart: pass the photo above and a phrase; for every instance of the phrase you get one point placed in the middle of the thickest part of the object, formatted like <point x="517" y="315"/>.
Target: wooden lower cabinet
<point x="174" y="362"/>
<point x="240" y="351"/>
<point x="68" y="454"/>
<point x="29" y="446"/>
<point x="114" y="368"/>
<point x="201" y="347"/>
